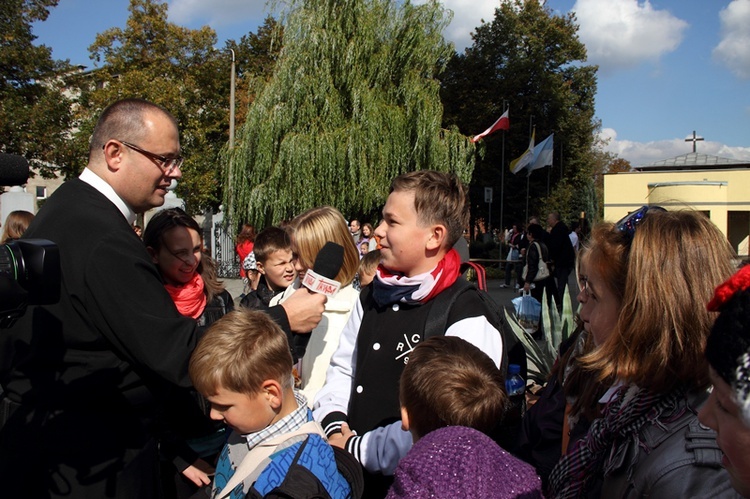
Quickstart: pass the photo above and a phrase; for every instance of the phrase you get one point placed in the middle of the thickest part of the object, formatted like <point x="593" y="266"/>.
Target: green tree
<point x="34" y="112"/>
<point x="353" y="102"/>
<point x="175" y="67"/>
<point x="534" y="61"/>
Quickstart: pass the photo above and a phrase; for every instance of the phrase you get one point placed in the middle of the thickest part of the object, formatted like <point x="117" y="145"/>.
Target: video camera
<point x="29" y="268"/>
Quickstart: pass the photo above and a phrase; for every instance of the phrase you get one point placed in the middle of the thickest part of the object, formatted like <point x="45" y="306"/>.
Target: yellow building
<point x="719" y="187"/>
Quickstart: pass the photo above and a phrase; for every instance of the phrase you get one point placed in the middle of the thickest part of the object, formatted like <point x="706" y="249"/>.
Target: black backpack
<point x="513" y="350"/>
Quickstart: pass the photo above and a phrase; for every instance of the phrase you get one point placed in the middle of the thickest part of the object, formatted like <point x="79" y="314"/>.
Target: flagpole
<point x="502" y="176"/>
<point x="527" y="199"/>
<point x="561" y="160"/>
<point x="531" y="132"/>
<point x="548" y="176"/>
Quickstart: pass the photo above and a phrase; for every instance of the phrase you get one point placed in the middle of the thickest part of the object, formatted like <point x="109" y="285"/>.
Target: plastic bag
<point x="529" y="311"/>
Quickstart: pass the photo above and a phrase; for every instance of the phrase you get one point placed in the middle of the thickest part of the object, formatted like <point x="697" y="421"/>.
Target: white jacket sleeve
<point x="479" y="332"/>
<point x="332" y="401"/>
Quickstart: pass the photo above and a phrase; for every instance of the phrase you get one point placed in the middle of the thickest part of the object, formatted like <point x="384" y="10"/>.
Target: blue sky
<point x="667" y="67"/>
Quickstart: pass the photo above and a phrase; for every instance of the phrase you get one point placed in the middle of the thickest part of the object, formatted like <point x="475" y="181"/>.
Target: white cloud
<point x="624" y="33"/>
<point x="734" y="49"/>
<point x="643" y="153"/>
<point x="216" y="12"/>
<point x="467" y="15"/>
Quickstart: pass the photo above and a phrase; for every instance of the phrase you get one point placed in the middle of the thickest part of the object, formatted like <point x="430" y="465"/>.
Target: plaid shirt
<point x="285" y="425"/>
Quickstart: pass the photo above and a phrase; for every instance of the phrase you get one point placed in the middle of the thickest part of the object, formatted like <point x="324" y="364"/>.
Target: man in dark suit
<point x="83" y="378"/>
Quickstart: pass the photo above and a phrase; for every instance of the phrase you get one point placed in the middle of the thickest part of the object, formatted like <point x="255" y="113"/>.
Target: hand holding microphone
<point x="328" y="262"/>
<point x="305" y="307"/>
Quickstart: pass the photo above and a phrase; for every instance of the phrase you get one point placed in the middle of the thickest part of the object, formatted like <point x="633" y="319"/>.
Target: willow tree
<point x="353" y="102"/>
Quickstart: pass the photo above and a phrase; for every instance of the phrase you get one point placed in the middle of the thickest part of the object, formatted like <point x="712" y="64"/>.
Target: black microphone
<point x="14" y="169"/>
<point x="328" y="262"/>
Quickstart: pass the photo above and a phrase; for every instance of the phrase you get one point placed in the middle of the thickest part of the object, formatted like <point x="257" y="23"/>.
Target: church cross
<point x="693" y="139"/>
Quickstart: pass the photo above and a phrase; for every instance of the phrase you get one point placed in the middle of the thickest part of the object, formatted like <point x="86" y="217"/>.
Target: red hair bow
<point x="740" y="281"/>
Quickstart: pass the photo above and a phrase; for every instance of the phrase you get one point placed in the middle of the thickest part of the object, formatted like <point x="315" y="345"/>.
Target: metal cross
<point x="693" y="139"/>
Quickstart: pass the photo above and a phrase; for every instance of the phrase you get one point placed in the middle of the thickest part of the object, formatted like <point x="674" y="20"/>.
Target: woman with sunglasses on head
<point x="174" y="241"/>
<point x="636" y="372"/>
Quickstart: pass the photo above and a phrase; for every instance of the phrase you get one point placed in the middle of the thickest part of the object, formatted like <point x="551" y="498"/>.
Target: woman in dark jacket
<point x="637" y="371"/>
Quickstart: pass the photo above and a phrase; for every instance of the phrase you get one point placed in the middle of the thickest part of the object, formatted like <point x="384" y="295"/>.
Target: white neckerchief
<point x="102" y="186"/>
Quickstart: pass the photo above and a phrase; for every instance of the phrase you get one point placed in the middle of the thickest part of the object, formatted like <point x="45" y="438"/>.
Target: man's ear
<point x="438" y="234"/>
<point x="273" y="392"/>
<point x="113" y="154"/>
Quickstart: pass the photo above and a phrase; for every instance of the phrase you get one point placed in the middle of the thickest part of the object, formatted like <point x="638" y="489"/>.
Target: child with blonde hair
<point x="308" y="233"/>
<point x="243" y="367"/>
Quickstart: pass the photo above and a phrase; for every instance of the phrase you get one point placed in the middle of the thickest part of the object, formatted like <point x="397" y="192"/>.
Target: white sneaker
<point x="504" y="285"/>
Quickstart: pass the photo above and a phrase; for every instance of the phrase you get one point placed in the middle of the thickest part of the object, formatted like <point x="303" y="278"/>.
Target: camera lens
<point x="33" y="266"/>
<point x="8" y="262"/>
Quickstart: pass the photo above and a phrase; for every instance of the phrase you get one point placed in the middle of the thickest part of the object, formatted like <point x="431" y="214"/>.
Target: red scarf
<point x="189" y="298"/>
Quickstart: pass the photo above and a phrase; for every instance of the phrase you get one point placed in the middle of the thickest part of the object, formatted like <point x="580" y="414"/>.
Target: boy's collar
<point x="290" y="422"/>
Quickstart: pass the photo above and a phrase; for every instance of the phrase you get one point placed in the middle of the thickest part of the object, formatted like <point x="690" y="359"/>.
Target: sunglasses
<point x="630" y="222"/>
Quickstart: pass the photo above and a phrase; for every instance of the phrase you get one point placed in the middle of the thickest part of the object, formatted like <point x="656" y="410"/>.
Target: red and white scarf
<point x="389" y="287"/>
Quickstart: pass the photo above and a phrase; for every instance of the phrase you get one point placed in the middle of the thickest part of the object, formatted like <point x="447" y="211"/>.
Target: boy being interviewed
<point x="423" y="217"/>
<point x="452" y="395"/>
<point x="243" y="367"/>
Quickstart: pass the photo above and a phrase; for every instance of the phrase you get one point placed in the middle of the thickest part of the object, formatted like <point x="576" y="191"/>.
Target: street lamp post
<point x="231" y="105"/>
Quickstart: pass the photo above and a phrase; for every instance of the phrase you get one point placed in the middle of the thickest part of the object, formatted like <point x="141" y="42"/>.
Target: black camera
<point x="29" y="268"/>
<point x="29" y="275"/>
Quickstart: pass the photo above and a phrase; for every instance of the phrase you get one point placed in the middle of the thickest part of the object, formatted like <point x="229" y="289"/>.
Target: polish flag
<point x="502" y="123"/>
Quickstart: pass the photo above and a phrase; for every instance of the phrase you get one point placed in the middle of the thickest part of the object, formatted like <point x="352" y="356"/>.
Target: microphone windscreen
<point x="329" y="260"/>
<point x="14" y="169"/>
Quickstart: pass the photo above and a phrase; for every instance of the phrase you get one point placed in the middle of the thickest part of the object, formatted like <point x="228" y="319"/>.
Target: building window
<point x="41" y="192"/>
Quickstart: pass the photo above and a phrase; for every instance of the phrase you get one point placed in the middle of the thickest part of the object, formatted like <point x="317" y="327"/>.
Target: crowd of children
<point x="368" y="404"/>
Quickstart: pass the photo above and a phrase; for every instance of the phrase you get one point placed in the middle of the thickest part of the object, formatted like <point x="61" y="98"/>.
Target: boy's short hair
<point x="370" y="262"/>
<point x="239" y="352"/>
<point x="439" y="198"/>
<point x="450" y="382"/>
<point x="270" y="240"/>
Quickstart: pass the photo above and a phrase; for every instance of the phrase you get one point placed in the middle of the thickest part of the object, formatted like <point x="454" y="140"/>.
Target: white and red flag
<point x="502" y="123"/>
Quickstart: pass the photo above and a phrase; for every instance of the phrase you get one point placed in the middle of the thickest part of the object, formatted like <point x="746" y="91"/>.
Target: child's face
<point x="278" y="269"/>
<point x="404" y="242"/>
<point x="364" y="248"/>
<point x="241" y="412"/>
<point x="721" y="413"/>
<point x="179" y="255"/>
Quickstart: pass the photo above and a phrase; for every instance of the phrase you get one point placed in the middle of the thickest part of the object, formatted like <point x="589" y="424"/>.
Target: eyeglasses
<point x="167" y="164"/>
<point x="630" y="222"/>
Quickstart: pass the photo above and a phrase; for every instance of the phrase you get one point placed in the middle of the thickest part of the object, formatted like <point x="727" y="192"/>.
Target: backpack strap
<point x="441" y="307"/>
<point x="480" y="272"/>
<point x="437" y="321"/>
<point x="250" y="468"/>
